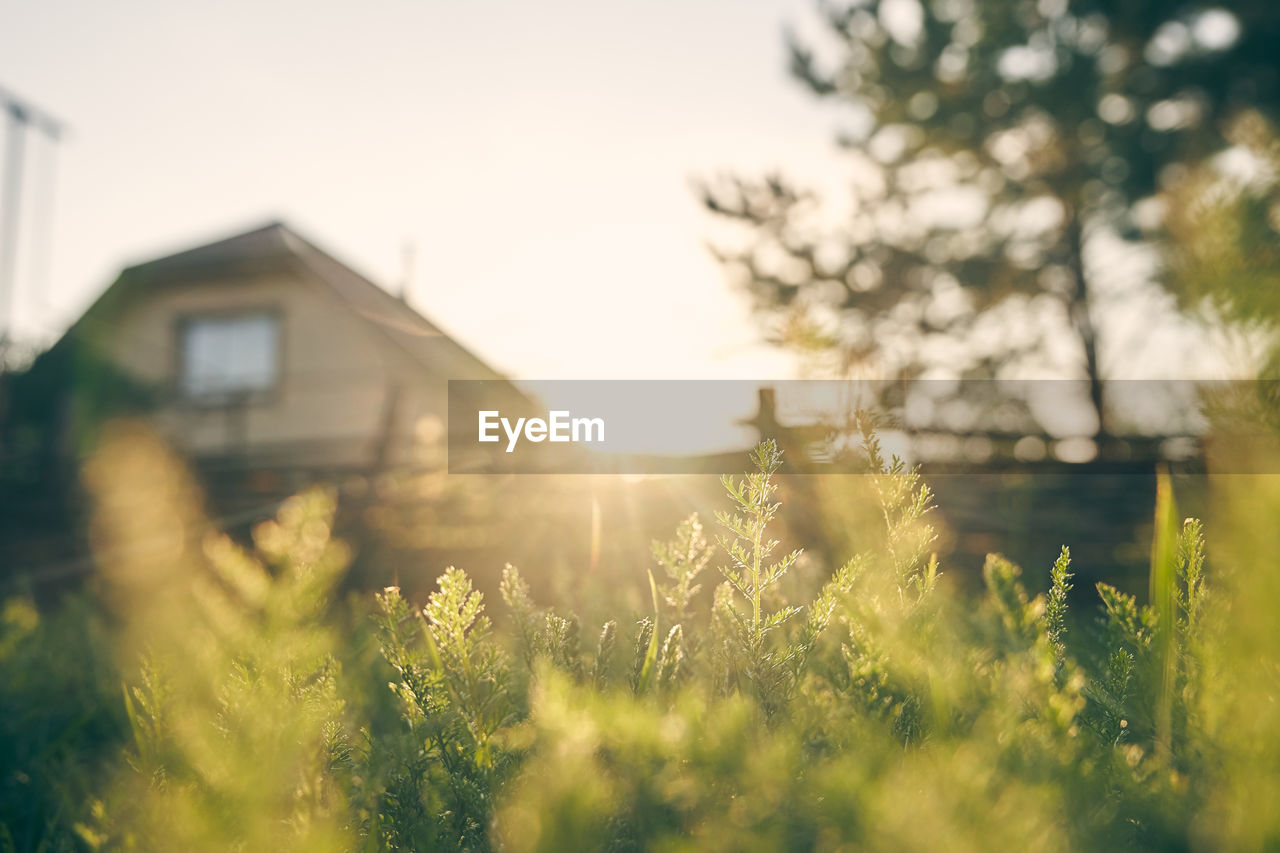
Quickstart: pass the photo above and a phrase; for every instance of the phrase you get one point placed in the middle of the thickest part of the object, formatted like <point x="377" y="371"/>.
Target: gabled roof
<point x="277" y="247"/>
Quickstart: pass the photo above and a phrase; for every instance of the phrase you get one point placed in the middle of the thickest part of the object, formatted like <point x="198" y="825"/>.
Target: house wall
<point x="338" y="375"/>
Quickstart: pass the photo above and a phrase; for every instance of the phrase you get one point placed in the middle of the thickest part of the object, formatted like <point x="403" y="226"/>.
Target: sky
<point x="527" y="167"/>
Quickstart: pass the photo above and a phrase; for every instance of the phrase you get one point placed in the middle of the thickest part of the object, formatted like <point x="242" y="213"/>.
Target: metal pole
<point x="21" y="117"/>
<point x="10" y="203"/>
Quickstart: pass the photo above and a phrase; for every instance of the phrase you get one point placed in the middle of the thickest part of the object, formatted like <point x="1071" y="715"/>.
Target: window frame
<point x="222" y="399"/>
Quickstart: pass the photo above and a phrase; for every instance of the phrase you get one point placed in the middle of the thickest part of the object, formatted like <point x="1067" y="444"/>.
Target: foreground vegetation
<point x="742" y="710"/>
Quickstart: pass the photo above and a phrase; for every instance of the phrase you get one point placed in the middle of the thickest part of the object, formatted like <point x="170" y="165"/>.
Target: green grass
<point x="756" y="703"/>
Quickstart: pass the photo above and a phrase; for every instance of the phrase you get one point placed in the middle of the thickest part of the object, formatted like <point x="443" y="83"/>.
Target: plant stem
<point x="755" y="575"/>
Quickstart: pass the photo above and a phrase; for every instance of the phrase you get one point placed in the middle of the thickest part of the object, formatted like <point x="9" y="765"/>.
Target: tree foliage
<point x="991" y="143"/>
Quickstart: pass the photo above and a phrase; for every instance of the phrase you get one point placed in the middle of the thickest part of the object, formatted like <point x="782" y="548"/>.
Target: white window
<point x="227" y="356"/>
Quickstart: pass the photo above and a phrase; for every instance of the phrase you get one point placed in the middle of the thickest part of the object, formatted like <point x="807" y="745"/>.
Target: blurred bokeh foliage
<point x="62" y="724"/>
<point x="750" y="703"/>
<point x="1002" y="156"/>
<point x="1223" y="220"/>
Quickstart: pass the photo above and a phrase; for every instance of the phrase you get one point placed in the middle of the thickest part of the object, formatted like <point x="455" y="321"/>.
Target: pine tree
<point x="994" y="141"/>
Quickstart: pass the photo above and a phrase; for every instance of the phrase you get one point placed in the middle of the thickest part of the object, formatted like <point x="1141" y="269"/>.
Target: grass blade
<point x="1164" y="549"/>
<point x="651" y="655"/>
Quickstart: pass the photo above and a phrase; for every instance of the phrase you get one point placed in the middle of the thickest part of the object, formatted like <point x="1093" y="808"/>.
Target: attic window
<point x="228" y="356"/>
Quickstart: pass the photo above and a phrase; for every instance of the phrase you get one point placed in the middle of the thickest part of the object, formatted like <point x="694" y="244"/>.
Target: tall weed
<point x="879" y="708"/>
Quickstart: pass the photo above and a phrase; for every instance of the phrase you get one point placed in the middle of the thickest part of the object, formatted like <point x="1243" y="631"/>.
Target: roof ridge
<point x="399" y="303"/>
<point x="389" y="299"/>
<point x="210" y="246"/>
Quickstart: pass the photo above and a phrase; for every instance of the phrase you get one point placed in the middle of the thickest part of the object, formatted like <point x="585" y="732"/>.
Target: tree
<point x="1223" y="224"/>
<point x="993" y="141"/>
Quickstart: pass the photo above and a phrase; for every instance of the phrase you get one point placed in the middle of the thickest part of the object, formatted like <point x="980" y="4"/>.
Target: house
<point x="267" y="363"/>
<point x="263" y="352"/>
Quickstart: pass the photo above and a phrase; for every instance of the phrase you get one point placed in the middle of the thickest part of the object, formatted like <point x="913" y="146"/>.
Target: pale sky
<point x="537" y="156"/>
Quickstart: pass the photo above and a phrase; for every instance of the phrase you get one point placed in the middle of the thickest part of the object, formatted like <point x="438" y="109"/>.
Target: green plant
<point x="754" y="659"/>
<point x="878" y="708"/>
<point x="454" y="698"/>
<point x="683" y="560"/>
<point x="240" y="734"/>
